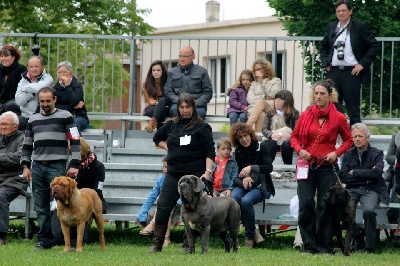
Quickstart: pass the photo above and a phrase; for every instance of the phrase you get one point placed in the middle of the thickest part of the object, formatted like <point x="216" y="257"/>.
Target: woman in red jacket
<point x="314" y="140"/>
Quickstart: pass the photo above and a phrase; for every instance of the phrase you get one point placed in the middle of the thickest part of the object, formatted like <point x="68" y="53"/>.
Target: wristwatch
<point x="209" y="170"/>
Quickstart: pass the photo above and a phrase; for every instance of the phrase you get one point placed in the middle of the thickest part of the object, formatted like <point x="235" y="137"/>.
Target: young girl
<point x="238" y="98"/>
<point x="225" y="169"/>
<point x="153" y="92"/>
<point x="261" y="93"/>
<point x="283" y="107"/>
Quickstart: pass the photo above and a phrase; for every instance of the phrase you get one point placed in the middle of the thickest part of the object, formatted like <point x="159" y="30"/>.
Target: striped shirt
<point x="47" y="136"/>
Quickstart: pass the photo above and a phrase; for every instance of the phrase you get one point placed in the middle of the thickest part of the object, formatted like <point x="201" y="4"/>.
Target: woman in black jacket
<point x="69" y="94"/>
<point x="10" y="75"/>
<point x="254" y="183"/>
<point x="190" y="145"/>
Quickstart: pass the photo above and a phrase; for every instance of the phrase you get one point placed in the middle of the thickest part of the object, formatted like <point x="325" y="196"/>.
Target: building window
<point x="218" y="69"/>
<point x="280" y="60"/>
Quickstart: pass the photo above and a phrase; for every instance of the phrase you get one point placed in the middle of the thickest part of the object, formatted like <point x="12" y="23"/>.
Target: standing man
<point x="347" y="50"/>
<point x="46" y="145"/>
<point x="11" y="185"/>
<point x="32" y="81"/>
<point x="190" y="78"/>
<point x="361" y="171"/>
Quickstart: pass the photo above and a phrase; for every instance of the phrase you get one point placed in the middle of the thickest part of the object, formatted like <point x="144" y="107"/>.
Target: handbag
<point x="238" y="181"/>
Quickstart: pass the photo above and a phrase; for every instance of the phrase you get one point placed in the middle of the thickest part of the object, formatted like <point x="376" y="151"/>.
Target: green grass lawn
<point x="127" y="247"/>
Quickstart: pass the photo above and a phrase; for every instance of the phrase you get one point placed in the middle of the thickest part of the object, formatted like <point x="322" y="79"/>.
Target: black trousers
<point x="272" y="148"/>
<point x="318" y="182"/>
<point x="349" y="89"/>
<point x="158" y="111"/>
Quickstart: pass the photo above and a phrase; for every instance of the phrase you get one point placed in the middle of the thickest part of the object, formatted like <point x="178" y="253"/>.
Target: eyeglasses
<point x="63" y="72"/>
<point x="185" y="56"/>
<point x="342" y="11"/>
<point x="6" y="124"/>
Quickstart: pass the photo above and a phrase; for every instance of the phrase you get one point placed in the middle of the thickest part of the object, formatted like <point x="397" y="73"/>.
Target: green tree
<point x="94" y="60"/>
<point x="74" y="16"/>
<point x="311" y="18"/>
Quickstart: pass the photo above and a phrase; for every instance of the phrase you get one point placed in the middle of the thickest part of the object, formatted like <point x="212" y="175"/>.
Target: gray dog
<point x="205" y="215"/>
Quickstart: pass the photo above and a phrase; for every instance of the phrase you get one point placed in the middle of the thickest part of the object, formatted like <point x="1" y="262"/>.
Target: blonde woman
<point x="262" y="92"/>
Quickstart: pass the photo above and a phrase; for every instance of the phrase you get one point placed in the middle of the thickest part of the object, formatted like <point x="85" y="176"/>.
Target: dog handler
<point x="314" y="139"/>
<point x="190" y="145"/>
<point x="50" y="130"/>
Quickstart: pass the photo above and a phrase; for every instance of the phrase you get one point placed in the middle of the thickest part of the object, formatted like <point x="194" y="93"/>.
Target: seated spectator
<point x="393" y="149"/>
<point x="262" y="92"/>
<point x="238" y="98"/>
<point x="254" y="183"/>
<point x="151" y="198"/>
<point x="361" y="171"/>
<point x="11" y="184"/>
<point x="225" y="169"/>
<point x="278" y="126"/>
<point x="189" y="78"/>
<point x="153" y="92"/>
<point x="69" y="94"/>
<point x="32" y="81"/>
<point x="10" y="75"/>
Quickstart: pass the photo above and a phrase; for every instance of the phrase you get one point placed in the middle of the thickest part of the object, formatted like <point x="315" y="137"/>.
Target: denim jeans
<point x="42" y="175"/>
<point x="233" y="117"/>
<point x="247" y="200"/>
<point x="81" y="123"/>
<point x="201" y="111"/>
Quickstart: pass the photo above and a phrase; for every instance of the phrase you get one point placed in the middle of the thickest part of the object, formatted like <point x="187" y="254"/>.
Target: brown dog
<point x="75" y="207"/>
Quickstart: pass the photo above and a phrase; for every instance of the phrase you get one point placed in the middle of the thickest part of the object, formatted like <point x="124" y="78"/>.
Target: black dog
<point x="340" y="207"/>
<point x="205" y="215"/>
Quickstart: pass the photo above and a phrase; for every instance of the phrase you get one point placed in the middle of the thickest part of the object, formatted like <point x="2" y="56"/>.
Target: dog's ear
<point x="72" y="185"/>
<point x="199" y="185"/>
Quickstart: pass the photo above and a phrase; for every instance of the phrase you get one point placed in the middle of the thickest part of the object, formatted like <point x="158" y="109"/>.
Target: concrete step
<point x="128" y="171"/>
<point x="150" y="155"/>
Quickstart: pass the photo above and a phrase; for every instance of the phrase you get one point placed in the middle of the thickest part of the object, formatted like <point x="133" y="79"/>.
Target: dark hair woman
<point x="190" y="145"/>
<point x="153" y="92"/>
<point x="277" y="137"/>
<point x="10" y="75"/>
<point x="314" y="140"/>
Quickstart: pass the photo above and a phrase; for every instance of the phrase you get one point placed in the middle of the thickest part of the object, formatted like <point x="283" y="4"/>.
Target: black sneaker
<point x="42" y="245"/>
<point x="3" y="240"/>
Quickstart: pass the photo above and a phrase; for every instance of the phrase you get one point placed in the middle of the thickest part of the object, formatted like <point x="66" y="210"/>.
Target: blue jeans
<point x="81" y="123"/>
<point x="247" y="200"/>
<point x="233" y="117"/>
<point x="42" y="175"/>
<point x="173" y="111"/>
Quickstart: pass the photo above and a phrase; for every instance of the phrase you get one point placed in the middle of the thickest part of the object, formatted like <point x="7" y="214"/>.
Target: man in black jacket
<point x="347" y="50"/>
<point x="11" y="184"/>
<point x="361" y="171"/>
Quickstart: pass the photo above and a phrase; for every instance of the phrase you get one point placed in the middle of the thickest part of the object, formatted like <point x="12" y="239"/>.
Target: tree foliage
<point x="311" y="18"/>
<point x="74" y="16"/>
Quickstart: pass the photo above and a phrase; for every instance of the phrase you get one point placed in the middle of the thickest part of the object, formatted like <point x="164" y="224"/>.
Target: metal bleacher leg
<point x="27" y="213"/>
<point x="123" y="134"/>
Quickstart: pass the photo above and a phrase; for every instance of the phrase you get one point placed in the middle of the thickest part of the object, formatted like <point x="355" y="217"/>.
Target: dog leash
<point x="337" y="176"/>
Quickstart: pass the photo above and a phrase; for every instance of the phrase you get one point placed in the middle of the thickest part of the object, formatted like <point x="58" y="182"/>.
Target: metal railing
<point x="112" y="68"/>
